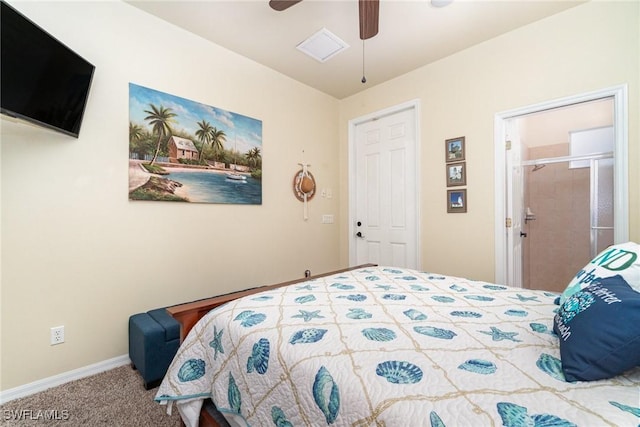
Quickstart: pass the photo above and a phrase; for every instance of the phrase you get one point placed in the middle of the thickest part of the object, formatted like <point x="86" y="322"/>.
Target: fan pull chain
<point x="364" y="79"/>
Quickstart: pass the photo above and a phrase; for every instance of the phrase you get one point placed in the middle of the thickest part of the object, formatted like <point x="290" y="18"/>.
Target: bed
<point x="386" y="346"/>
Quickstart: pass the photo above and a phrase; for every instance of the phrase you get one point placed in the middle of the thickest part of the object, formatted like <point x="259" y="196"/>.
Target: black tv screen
<point x="43" y="81"/>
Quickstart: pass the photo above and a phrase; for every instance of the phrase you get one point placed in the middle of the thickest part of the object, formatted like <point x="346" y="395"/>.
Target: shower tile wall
<point x="557" y="242"/>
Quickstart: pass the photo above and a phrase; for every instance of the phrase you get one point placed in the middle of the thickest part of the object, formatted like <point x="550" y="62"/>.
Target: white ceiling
<point x="412" y="33"/>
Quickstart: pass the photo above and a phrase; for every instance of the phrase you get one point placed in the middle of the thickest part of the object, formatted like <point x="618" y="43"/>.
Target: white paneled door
<point x="384" y="218"/>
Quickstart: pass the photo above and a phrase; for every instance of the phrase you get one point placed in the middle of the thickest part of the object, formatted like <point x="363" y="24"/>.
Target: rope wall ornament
<point x="304" y="187"/>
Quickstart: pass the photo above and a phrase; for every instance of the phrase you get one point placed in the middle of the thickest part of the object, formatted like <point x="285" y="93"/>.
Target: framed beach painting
<point x="454" y="149"/>
<point x="186" y="151"/>
<point x="456" y="201"/>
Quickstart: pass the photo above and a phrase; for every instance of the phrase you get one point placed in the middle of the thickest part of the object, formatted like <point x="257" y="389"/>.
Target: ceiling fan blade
<point x="369" y="14"/>
<point x="281" y="5"/>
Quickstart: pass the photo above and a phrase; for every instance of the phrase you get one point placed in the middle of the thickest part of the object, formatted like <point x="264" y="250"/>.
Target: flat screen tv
<point x="43" y="81"/>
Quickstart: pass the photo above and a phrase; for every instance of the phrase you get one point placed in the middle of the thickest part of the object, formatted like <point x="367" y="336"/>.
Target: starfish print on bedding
<point x="498" y="335"/>
<point x="216" y="344"/>
<point x="308" y="315"/>
<point x="522" y="298"/>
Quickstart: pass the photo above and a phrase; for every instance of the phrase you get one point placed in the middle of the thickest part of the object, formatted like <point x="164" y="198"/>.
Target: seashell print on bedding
<point x="543" y="329"/>
<point x="358" y="314"/>
<point x="233" y="395"/>
<point x="191" y="370"/>
<point x="259" y="359"/>
<point x="342" y="286"/>
<point x="435" y="420"/>
<point x="457" y="288"/>
<point x="326" y="395"/>
<point x="305" y="299"/>
<point x="262" y="298"/>
<point x="518" y="313"/>
<point x="435" y="359"/>
<point x="394" y="297"/>
<point x="249" y="318"/>
<point x="279" y="418"/>
<point x="630" y="409"/>
<point x="470" y="314"/>
<point x="515" y="416"/>
<point x="551" y="365"/>
<point x="414" y="314"/>
<point x="441" y="298"/>
<point x="306" y="336"/>
<point x="495" y="287"/>
<point x="356" y="298"/>
<point x="399" y="372"/>
<point x="479" y="298"/>
<point x="379" y="334"/>
<point x="478" y="366"/>
<point x="430" y="331"/>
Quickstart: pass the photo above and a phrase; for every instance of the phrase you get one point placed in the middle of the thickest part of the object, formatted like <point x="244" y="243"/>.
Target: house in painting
<point x="182" y="148"/>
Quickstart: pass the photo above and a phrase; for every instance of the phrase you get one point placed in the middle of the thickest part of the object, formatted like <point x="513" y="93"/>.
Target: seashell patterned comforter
<point x="389" y="347"/>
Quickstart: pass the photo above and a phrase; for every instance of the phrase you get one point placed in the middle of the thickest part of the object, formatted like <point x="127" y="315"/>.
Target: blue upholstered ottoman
<point x="154" y="338"/>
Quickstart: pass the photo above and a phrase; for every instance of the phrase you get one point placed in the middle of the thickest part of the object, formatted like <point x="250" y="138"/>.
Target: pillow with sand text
<point x="622" y="259"/>
<point x="598" y="330"/>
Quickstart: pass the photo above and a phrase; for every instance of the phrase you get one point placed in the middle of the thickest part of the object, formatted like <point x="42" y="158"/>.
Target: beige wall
<point x="76" y="252"/>
<point x="586" y="48"/>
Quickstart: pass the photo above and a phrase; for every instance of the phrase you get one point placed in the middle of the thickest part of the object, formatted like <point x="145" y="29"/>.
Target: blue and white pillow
<point x="622" y="259"/>
<point x="598" y="330"/>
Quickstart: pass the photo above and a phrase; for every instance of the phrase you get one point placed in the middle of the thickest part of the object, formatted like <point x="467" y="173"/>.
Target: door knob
<point x="522" y="234"/>
<point x="359" y="234"/>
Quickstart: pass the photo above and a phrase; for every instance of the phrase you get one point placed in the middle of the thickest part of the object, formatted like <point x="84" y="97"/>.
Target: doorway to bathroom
<point x="567" y="199"/>
<point x="564" y="189"/>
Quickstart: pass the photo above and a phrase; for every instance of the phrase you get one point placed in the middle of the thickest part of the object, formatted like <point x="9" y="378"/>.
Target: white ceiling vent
<point x="323" y="45"/>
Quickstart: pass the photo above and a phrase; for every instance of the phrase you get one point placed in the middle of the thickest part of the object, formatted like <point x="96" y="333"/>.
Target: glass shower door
<point x="602" y="206"/>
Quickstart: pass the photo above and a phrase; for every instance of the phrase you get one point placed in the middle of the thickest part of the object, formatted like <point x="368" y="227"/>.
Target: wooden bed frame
<point x="188" y="315"/>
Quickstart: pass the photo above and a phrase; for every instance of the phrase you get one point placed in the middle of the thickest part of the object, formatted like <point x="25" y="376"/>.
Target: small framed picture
<point x="454" y="149"/>
<point x="456" y="201"/>
<point x="456" y="174"/>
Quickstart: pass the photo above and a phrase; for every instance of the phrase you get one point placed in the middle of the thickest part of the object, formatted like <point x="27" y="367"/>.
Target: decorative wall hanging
<point x="182" y="150"/>
<point x="456" y="174"/>
<point x="304" y="187"/>
<point x="456" y="201"/>
<point x="454" y="149"/>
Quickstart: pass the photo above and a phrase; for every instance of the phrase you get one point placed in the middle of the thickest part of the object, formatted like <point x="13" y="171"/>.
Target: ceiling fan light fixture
<point x="323" y="45"/>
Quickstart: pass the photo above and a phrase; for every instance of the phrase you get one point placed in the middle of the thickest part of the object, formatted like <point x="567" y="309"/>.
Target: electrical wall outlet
<point x="57" y="335"/>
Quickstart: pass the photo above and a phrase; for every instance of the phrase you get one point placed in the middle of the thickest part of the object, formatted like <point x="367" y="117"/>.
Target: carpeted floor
<point x="112" y="398"/>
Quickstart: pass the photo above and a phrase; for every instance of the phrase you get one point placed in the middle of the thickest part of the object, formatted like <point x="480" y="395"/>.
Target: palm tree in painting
<point x="217" y="139"/>
<point x="205" y="135"/>
<point x="135" y="132"/>
<point x="253" y="156"/>
<point x="160" y="119"/>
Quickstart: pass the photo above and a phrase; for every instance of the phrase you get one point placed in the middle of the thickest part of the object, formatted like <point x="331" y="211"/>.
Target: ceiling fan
<point x="369" y="14"/>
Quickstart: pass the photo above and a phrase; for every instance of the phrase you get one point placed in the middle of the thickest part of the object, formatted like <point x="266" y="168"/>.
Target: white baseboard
<point x="63" y="378"/>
